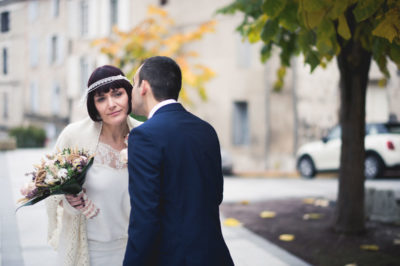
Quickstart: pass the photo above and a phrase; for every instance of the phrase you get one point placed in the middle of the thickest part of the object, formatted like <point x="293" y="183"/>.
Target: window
<point x="34" y="52"/>
<point x="34" y="92"/>
<point x="5" y="61"/>
<point x="55" y="99"/>
<point x="5" y="105"/>
<point x="54" y="49"/>
<point x="5" y="21"/>
<point x="84" y="69"/>
<point x="33" y="10"/>
<point x="84" y="18"/>
<point x="56" y="8"/>
<point x="114" y="12"/>
<point x="240" y="124"/>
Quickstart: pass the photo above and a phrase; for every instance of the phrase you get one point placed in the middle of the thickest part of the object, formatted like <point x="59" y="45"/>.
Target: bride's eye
<point x="99" y="99"/>
<point x="118" y="93"/>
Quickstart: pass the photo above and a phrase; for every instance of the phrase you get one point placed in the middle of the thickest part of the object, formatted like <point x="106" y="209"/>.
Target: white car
<point x="382" y="151"/>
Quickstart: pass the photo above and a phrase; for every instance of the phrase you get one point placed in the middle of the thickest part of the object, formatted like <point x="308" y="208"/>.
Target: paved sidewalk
<point x="23" y="235"/>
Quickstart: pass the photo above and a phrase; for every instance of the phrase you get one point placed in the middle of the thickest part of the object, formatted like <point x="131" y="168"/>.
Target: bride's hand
<point x="83" y="204"/>
<point x="76" y="201"/>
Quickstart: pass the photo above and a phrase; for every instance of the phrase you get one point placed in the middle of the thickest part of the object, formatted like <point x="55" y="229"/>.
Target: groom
<point x="175" y="179"/>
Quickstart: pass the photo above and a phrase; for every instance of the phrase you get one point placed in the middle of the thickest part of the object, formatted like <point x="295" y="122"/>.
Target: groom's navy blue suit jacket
<point x="175" y="185"/>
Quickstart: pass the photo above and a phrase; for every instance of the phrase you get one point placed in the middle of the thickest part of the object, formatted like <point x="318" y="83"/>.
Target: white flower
<point x="50" y="179"/>
<point x="123" y="156"/>
<point x="62" y="173"/>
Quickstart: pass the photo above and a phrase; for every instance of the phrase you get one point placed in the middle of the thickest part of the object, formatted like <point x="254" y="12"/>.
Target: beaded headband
<point x="104" y="81"/>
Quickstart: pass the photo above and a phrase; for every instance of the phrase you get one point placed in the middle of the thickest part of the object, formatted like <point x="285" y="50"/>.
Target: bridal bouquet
<point x="62" y="173"/>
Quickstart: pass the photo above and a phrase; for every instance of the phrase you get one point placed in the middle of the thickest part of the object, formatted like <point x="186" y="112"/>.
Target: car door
<point x="329" y="157"/>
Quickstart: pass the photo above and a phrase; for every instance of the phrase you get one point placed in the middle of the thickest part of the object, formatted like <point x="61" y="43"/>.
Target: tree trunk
<point x="354" y="63"/>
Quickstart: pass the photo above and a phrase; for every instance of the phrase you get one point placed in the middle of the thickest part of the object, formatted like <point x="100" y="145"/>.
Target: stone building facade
<point x="49" y="57"/>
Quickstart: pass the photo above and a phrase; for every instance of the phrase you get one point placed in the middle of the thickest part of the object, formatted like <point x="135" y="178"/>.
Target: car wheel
<point x="306" y="167"/>
<point x="373" y="166"/>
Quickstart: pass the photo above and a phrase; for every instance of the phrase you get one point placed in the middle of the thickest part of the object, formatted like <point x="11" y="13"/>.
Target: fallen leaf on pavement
<point x="309" y="200"/>
<point x="351" y="264"/>
<point x="286" y="237"/>
<point x="370" y="247"/>
<point x="396" y="241"/>
<point x="322" y="202"/>
<point x="267" y="214"/>
<point x="232" y="222"/>
<point x="244" y="202"/>
<point x="312" y="216"/>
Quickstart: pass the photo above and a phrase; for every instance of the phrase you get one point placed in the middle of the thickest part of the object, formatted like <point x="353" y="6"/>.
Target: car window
<point x="394" y="129"/>
<point x="335" y="133"/>
<point x="372" y="130"/>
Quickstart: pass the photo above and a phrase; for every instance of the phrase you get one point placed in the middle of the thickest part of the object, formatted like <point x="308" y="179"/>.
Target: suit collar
<point x="169" y="107"/>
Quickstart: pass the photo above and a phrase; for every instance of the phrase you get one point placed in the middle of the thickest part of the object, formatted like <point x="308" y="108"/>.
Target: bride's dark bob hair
<point x="101" y="73"/>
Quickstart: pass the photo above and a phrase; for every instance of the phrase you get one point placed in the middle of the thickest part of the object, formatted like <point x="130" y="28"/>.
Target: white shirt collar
<point x="159" y="105"/>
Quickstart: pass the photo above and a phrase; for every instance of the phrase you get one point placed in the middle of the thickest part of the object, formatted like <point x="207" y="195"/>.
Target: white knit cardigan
<point x="83" y="134"/>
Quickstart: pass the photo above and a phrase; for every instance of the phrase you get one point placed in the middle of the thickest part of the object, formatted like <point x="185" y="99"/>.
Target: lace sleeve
<point x="54" y="213"/>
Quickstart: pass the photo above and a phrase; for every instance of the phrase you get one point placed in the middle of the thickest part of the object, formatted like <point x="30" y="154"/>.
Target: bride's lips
<point x="115" y="113"/>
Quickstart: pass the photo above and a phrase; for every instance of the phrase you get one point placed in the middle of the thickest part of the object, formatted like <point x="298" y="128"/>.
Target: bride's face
<point x="112" y="106"/>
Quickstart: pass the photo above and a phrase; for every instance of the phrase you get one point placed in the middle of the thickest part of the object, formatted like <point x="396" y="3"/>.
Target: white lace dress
<point x="107" y="186"/>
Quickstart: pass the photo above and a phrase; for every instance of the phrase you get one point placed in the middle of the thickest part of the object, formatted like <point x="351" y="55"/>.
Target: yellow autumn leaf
<point x="267" y="214"/>
<point x="244" y="202"/>
<point x="369" y="247"/>
<point x="309" y="200"/>
<point x="232" y="222"/>
<point x="154" y="10"/>
<point x="389" y="26"/>
<point x="312" y="216"/>
<point x="286" y="237"/>
<point x="321" y="202"/>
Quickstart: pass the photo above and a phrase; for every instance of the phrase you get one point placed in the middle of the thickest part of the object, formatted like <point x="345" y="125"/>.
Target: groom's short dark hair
<point x="163" y="75"/>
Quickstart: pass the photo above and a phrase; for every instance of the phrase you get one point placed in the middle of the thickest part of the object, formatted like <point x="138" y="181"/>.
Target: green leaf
<point x="312" y="5"/>
<point x="343" y="28"/>
<point x="366" y="8"/>
<point x="254" y="30"/>
<point x="288" y="17"/>
<point x="288" y="47"/>
<point x="312" y="59"/>
<point x="266" y="52"/>
<point x="269" y="30"/>
<point x="395" y="54"/>
<point x="326" y="29"/>
<point x="339" y="7"/>
<point x="273" y="7"/>
<point x="312" y="19"/>
<point x="33" y="201"/>
<point x="306" y="39"/>
<point x="324" y="46"/>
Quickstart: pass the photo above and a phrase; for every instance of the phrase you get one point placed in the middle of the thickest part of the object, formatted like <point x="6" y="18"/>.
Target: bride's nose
<point x="110" y="102"/>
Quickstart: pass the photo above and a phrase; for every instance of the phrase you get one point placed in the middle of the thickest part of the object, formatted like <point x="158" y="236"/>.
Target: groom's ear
<point x="145" y="88"/>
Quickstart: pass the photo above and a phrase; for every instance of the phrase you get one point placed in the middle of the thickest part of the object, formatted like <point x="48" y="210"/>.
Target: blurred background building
<point x="46" y="59"/>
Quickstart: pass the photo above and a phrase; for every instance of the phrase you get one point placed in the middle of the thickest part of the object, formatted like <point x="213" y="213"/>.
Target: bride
<point x="91" y="228"/>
